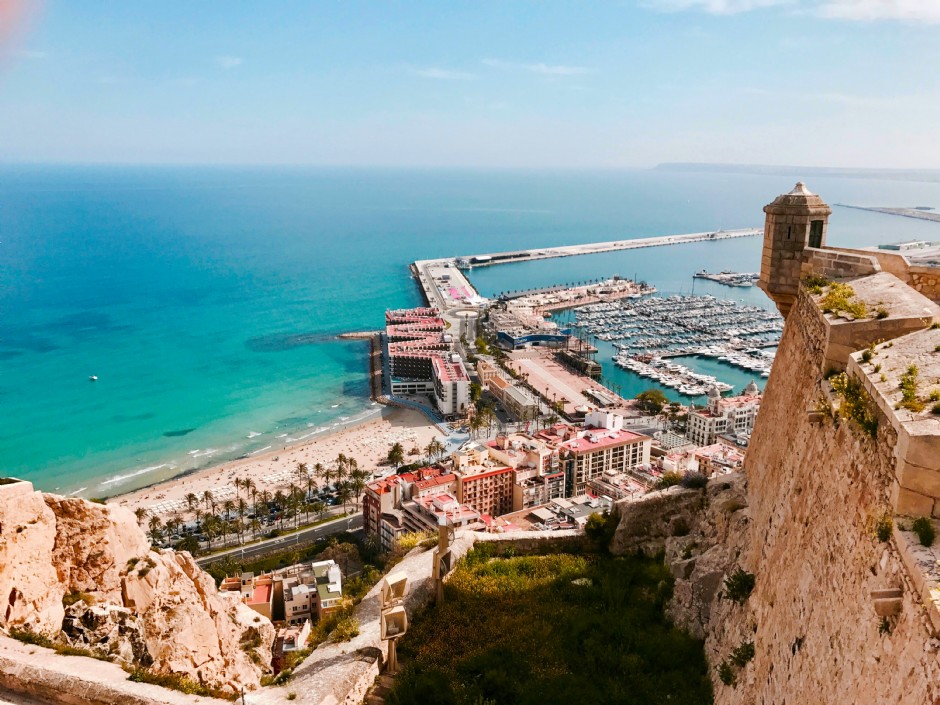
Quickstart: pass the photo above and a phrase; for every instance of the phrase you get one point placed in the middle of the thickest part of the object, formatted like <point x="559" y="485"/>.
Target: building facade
<point x="734" y="415"/>
<point x="596" y="451"/>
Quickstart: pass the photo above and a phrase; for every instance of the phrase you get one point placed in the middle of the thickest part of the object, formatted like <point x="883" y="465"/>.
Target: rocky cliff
<point x="802" y="521"/>
<point x="83" y="574"/>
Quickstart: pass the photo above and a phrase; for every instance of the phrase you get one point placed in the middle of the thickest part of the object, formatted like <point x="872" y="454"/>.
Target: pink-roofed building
<point x="421" y="359"/>
<point x="593" y="452"/>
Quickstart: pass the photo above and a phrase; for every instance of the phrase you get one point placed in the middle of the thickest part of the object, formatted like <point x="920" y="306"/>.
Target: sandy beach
<point x="368" y="443"/>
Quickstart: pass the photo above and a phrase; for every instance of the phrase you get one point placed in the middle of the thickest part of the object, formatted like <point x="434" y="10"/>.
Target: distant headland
<point x="929" y="175"/>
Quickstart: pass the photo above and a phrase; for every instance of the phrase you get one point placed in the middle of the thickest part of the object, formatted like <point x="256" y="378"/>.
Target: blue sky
<point x="503" y="83"/>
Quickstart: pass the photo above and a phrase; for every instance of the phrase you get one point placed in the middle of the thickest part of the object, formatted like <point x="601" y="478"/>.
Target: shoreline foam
<point x="367" y="439"/>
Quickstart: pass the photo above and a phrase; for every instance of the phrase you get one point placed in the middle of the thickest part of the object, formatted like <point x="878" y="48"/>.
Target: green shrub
<point x="935" y="409"/>
<point x="726" y="674"/>
<point x="73" y="597"/>
<point x="694" y="481"/>
<point x="881" y="312"/>
<point x="840" y="298"/>
<point x="742" y="654"/>
<point x="669" y="479"/>
<point x="908" y="386"/>
<point x="934" y="395"/>
<point x="28" y="636"/>
<point x="177" y="681"/>
<point x="599" y="529"/>
<point x="877" y="368"/>
<point x="923" y="527"/>
<point x="866" y="356"/>
<point x="815" y="283"/>
<point x="346" y="629"/>
<point x="739" y="585"/>
<point x="883" y="527"/>
<point x="292" y="696"/>
<point x="856" y="404"/>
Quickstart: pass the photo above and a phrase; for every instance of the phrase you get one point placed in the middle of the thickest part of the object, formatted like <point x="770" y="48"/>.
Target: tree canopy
<point x="651" y="401"/>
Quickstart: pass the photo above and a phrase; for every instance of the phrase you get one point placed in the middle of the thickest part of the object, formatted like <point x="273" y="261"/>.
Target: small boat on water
<point x="92" y="378"/>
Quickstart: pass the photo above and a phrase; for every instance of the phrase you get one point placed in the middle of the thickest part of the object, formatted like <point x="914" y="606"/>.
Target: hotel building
<point x="421" y="360"/>
<point x="602" y="447"/>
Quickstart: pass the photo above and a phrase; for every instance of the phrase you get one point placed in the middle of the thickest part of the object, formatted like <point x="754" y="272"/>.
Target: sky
<point x="502" y="83"/>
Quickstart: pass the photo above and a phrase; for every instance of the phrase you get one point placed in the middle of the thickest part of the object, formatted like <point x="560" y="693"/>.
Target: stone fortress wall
<point x="837" y="615"/>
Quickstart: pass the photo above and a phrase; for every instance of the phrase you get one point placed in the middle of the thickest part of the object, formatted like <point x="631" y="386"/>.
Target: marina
<point x="648" y="332"/>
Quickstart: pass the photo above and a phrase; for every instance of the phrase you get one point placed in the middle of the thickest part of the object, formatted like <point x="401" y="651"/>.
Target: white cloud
<point x="714" y="7"/>
<point x="857" y="10"/>
<point x="870" y="10"/>
<point x="229" y="62"/>
<point x="544" y="69"/>
<point x="444" y="74"/>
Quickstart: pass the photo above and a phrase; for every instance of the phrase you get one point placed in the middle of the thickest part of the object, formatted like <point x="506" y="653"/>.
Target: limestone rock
<point x="191" y="628"/>
<point x="93" y="544"/>
<point x="137" y="606"/>
<point x="30" y="591"/>
<point x="107" y="629"/>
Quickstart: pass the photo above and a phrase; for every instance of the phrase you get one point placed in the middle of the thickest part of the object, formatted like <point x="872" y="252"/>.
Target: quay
<point x="591" y="248"/>
<point x="920" y="213"/>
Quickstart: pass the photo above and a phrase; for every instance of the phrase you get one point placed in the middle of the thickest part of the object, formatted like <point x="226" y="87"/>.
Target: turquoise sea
<point x="207" y="300"/>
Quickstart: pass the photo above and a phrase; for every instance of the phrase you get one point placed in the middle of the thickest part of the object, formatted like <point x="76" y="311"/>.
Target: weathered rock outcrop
<point x="701" y="533"/>
<point x="156" y="609"/>
<point x="30" y="590"/>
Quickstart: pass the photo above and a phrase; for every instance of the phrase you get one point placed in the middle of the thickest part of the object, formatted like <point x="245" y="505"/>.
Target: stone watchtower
<point x="794" y="221"/>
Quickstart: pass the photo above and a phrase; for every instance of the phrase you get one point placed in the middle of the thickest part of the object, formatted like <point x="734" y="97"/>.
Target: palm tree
<point x="396" y="455"/>
<point x="250" y="487"/>
<point x="208" y="499"/>
<point x="255" y="526"/>
<point x="238" y="483"/>
<point x="264" y="498"/>
<point x="156" y="528"/>
<point x="280" y="504"/>
<point x="344" y="492"/>
<point x="434" y="449"/>
<point x="141" y="514"/>
<point x="318" y="471"/>
<point x="342" y="467"/>
<point x="242" y="511"/>
<point x="357" y="483"/>
<point x="210" y="529"/>
<point x="192" y="501"/>
<point x="318" y="507"/>
<point x="228" y="506"/>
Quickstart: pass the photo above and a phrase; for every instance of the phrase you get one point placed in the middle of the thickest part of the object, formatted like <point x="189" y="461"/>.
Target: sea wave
<point x="137" y="473"/>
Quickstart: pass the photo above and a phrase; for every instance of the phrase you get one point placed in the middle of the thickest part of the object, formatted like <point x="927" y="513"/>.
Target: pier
<point x="592" y="248"/>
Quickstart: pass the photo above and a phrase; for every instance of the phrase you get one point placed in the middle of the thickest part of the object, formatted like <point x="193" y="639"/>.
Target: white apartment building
<point x="734" y="415"/>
